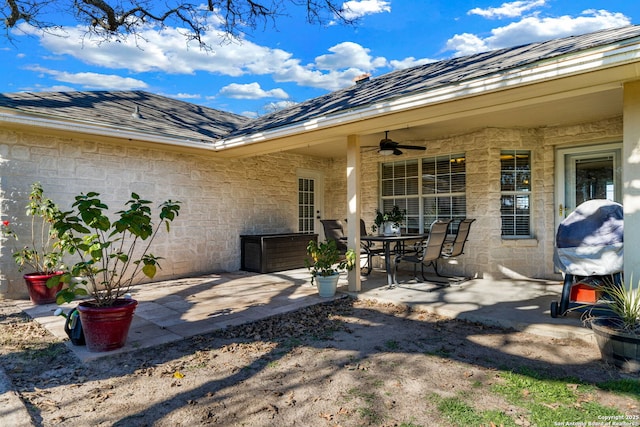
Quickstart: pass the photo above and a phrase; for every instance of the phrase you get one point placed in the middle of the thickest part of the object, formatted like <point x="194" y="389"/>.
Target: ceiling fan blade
<point x="411" y="147"/>
<point x="389" y="146"/>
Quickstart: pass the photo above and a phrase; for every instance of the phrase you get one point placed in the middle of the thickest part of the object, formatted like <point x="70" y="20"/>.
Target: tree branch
<point x="128" y="17"/>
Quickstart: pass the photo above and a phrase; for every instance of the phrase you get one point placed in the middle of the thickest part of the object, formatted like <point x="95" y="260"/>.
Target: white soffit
<point x="556" y="68"/>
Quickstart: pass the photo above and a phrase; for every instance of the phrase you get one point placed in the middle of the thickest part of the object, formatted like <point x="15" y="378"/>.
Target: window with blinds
<point x="428" y="189"/>
<point x="515" y="186"/>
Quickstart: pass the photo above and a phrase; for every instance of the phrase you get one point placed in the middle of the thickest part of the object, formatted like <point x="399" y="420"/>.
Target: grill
<point x="589" y="249"/>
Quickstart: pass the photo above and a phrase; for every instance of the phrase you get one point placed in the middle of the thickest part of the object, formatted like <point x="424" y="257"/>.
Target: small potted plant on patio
<point x="42" y="253"/>
<point x="388" y="223"/>
<point x="616" y="325"/>
<point x="108" y="262"/>
<point x="325" y="265"/>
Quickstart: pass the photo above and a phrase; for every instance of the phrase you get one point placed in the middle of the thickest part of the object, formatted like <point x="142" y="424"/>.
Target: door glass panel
<point x="588" y="176"/>
<point x="594" y="179"/>
<point x="306" y="205"/>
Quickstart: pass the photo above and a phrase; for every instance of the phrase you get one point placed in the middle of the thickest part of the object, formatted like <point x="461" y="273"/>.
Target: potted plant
<point x="42" y="254"/>
<point x="388" y="223"/>
<point x="109" y="263"/>
<point x="616" y="325"/>
<point x="326" y="263"/>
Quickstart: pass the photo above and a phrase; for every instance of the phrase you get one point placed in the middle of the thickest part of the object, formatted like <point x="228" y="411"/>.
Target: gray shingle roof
<point x="157" y="114"/>
<point x="169" y="117"/>
<point x="434" y="75"/>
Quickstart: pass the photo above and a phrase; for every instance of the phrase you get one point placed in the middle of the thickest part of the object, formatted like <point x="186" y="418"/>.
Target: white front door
<point x="585" y="173"/>
<point x="310" y="201"/>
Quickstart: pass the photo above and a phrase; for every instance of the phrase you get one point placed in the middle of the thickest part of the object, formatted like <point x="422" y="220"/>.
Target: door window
<point x="306" y="205"/>
<point x="588" y="173"/>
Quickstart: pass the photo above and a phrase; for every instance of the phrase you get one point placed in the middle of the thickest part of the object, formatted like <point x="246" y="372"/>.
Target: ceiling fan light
<point x="386" y="151"/>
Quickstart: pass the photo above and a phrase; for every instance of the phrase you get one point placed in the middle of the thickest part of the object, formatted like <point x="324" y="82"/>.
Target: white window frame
<point x="517" y="194"/>
<point x="401" y="190"/>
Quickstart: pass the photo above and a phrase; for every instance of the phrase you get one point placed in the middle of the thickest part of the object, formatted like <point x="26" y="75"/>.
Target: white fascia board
<point x="555" y="68"/>
<point x="112" y="132"/>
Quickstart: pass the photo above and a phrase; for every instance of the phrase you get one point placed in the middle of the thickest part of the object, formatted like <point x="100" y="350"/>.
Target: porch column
<point x="353" y="207"/>
<point x="631" y="180"/>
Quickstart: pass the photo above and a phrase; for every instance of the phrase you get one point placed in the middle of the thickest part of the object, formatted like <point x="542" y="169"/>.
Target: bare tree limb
<point x="108" y="18"/>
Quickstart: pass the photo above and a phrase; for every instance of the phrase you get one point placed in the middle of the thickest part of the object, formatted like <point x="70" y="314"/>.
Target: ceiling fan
<point x="389" y="147"/>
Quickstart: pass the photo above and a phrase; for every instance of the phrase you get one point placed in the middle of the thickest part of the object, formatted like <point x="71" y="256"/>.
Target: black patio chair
<point x="427" y="251"/>
<point x="334" y="230"/>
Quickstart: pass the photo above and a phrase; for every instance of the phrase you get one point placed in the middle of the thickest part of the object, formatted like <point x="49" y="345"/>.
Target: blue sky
<point x="295" y="61"/>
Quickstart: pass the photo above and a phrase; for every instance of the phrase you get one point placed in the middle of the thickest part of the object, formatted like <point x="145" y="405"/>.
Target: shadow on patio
<point x="172" y="310"/>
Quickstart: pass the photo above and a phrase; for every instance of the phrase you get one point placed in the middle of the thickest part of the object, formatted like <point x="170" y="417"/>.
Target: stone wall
<point x="221" y="198"/>
<point x="487" y="254"/>
<point x="224" y="198"/>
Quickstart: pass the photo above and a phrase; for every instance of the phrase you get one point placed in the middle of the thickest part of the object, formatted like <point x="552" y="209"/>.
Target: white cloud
<point x="249" y="114"/>
<point x="277" y="106"/>
<point x="355" y="9"/>
<point x="508" y="10"/>
<point x="346" y="55"/>
<point x="466" y="44"/>
<point x="534" y="28"/>
<point x="251" y="91"/>
<point x="164" y="51"/>
<point x="409" y="62"/>
<point x="55" y="88"/>
<point x="92" y="80"/>
<point x="186" y="96"/>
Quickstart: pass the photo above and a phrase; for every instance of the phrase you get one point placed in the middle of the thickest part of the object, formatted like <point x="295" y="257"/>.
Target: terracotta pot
<point x="327" y="285"/>
<point x="106" y="328"/>
<point x="39" y="293"/>
<point x="621" y="349"/>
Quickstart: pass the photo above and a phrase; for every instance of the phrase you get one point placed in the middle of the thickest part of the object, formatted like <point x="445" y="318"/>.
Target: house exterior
<point x="514" y="138"/>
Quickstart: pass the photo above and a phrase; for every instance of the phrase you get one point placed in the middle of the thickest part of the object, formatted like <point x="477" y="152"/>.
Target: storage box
<point x="267" y="253"/>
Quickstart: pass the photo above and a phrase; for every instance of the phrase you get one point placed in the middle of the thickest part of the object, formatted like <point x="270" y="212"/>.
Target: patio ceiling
<point x="575" y="99"/>
<point x="565" y="81"/>
<point x="576" y="109"/>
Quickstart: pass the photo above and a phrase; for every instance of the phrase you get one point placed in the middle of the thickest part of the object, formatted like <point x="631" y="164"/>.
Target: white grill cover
<point x="589" y="241"/>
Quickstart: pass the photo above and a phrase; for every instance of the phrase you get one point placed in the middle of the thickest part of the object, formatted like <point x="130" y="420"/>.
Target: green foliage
<point x="628" y="386"/>
<point x="109" y="263"/>
<point x="459" y="413"/>
<point x="42" y="253"/>
<point x="326" y="260"/>
<point x="624" y="302"/>
<point x="549" y="400"/>
<point x="396" y="216"/>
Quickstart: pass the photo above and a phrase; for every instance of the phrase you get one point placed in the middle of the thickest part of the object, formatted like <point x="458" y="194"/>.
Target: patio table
<point x="387" y="241"/>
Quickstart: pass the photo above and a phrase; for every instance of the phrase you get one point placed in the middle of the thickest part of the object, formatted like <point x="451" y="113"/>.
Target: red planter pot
<point x="39" y="293"/>
<point x="106" y="328"/>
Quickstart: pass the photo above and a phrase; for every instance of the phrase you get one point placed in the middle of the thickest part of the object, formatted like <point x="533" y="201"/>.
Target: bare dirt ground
<point x="347" y="363"/>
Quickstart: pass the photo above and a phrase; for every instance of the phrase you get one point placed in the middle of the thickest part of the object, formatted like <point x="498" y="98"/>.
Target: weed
<point x="459" y="413"/>
<point x="550" y="401"/>
<point x="371" y="416"/>
<point x="626" y="386"/>
<point x="392" y="345"/>
<point x="440" y="352"/>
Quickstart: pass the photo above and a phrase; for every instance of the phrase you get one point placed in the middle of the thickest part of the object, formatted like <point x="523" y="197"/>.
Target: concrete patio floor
<point x="174" y="309"/>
